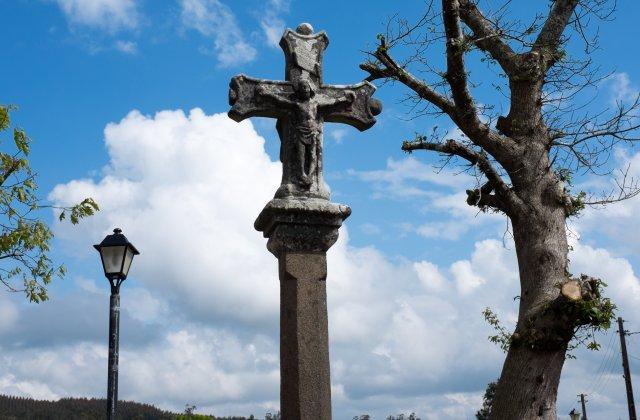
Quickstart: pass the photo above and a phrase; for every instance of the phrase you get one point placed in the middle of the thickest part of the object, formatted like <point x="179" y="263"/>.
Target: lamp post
<point x="116" y="253"/>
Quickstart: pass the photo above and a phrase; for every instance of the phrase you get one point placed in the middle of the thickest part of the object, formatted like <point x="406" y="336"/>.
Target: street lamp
<point x="116" y="253"/>
<point x="575" y="415"/>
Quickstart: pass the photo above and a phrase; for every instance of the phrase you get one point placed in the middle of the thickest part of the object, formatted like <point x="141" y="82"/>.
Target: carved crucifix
<point x="301" y="104"/>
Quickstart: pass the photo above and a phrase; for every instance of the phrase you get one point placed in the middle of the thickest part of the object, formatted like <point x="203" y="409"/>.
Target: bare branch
<point x="511" y="202"/>
<point x="375" y="72"/>
<point x="487" y="37"/>
<point x="550" y="35"/>
<point x="456" y="71"/>
<point x="626" y="187"/>
<point x="590" y="139"/>
<point x="15" y="165"/>
<point x="393" y="70"/>
<point x="11" y="255"/>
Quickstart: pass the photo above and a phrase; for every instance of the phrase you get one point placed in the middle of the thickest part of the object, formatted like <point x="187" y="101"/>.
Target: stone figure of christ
<point x="306" y="119"/>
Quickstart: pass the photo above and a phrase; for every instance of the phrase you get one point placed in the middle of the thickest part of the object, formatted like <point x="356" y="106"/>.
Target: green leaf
<point x="22" y="197"/>
<point x="21" y="140"/>
<point x="4" y="117"/>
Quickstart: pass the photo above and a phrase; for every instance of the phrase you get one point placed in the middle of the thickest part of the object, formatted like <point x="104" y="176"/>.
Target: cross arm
<point x="350" y="104"/>
<point x="250" y="97"/>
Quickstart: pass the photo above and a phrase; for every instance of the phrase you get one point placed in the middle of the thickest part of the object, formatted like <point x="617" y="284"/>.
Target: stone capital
<point x="298" y="225"/>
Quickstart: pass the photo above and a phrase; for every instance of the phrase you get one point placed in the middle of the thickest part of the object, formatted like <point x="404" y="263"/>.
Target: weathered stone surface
<point x="302" y="103"/>
<point x="305" y="388"/>
<point x="301" y="225"/>
<point x="300" y="222"/>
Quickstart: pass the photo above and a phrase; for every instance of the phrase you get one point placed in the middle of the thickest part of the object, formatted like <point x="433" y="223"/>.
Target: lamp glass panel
<point x="127" y="261"/>
<point x="112" y="258"/>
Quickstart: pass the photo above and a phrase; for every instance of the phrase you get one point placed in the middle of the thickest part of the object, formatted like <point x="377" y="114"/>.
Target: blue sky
<point x="106" y="89"/>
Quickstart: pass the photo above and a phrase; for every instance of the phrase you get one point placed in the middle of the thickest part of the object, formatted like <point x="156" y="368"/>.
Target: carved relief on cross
<point x="301" y="104"/>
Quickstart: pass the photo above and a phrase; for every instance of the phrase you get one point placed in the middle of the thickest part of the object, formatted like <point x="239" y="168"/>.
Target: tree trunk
<point x="528" y="385"/>
<point x="530" y="376"/>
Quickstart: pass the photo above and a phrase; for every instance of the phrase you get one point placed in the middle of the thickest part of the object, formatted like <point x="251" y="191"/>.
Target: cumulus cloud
<point x="109" y="15"/>
<point x="407" y="178"/>
<point x="599" y="374"/>
<point x="397" y="324"/>
<point x="8" y="314"/>
<point x="197" y="177"/>
<point x="272" y="23"/>
<point x="199" y="181"/>
<point x="621" y="226"/>
<point x="200" y="307"/>
<point x="127" y="47"/>
<point x="215" y="20"/>
<point x="430" y="276"/>
<point x="338" y="134"/>
<point x="436" y="190"/>
<point x="622" y="89"/>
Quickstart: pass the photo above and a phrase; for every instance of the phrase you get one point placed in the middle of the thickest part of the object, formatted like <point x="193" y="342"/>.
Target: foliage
<point x="24" y="238"/>
<point x="411" y="416"/>
<point x="503" y="337"/>
<point x="573" y="204"/>
<point x="189" y="414"/>
<point x="487" y="402"/>
<point x="14" y="408"/>
<point x="588" y="315"/>
<point x="75" y="408"/>
<point x="595" y="314"/>
<point x="599" y="311"/>
<point x="192" y="416"/>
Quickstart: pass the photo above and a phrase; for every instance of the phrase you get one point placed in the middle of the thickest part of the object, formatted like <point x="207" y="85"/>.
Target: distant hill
<point x="19" y="408"/>
<point x="75" y="408"/>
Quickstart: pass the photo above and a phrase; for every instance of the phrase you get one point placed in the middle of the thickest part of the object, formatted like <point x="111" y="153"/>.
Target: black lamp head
<point x="117" y="254"/>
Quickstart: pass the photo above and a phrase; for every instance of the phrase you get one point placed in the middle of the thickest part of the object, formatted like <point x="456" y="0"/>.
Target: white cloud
<point x="405" y="335"/>
<point x="109" y="15"/>
<point x="185" y="189"/>
<point x="9" y="385"/>
<point x="407" y="178"/>
<point x="430" y="275"/>
<point x="466" y="280"/>
<point x="203" y="367"/>
<point x="143" y="306"/>
<point x="621" y="227"/>
<point x="622" y="89"/>
<point x="159" y="188"/>
<point x="338" y="134"/>
<point x="451" y="230"/>
<point x="624" y="286"/>
<point x="272" y="23"/>
<point x="8" y="313"/>
<point x="215" y="20"/>
<point x="438" y="191"/>
<point x="370" y="229"/>
<point x="127" y="47"/>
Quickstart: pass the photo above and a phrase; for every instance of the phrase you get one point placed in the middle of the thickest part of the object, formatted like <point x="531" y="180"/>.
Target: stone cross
<point x="301" y="104"/>
<point x="300" y="222"/>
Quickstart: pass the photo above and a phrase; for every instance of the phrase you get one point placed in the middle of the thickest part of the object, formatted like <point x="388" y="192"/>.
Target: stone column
<point x="300" y="232"/>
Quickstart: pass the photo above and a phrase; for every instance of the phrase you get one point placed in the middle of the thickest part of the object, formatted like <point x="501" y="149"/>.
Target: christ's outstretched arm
<point x="262" y="92"/>
<point x="328" y="102"/>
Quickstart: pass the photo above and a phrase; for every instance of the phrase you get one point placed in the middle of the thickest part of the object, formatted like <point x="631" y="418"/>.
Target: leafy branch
<point x="25" y="265"/>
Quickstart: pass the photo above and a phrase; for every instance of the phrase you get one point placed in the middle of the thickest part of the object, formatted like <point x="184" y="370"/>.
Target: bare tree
<point x="525" y="159"/>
